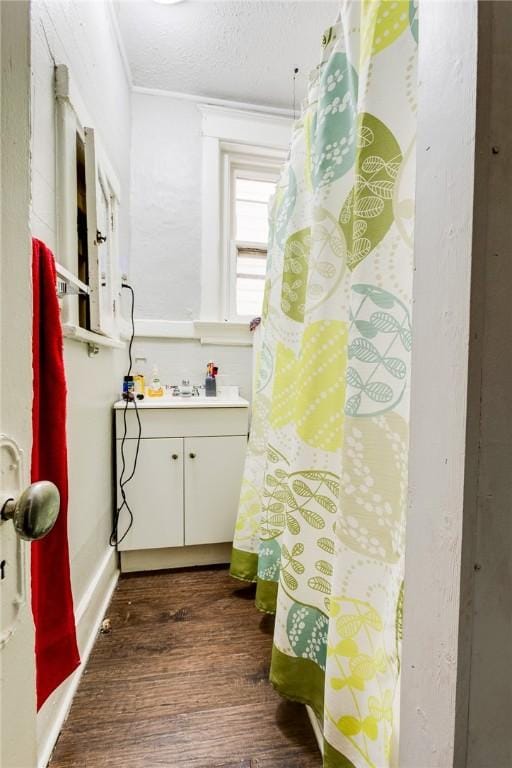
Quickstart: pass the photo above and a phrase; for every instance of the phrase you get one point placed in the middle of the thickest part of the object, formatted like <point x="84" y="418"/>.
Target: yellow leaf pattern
<point x="322" y="507"/>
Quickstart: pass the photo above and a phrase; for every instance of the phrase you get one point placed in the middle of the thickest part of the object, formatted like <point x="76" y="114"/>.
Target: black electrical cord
<point x="114" y="536"/>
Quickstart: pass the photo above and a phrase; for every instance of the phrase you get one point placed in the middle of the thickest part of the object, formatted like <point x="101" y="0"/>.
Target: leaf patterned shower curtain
<point x="322" y="509"/>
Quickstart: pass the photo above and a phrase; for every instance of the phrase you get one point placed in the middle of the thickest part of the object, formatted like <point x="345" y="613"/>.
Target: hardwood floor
<point x="181" y="681"/>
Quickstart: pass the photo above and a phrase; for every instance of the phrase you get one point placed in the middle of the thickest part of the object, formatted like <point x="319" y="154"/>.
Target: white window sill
<point x="228" y="333"/>
<point x="76" y="333"/>
<point x="207" y="332"/>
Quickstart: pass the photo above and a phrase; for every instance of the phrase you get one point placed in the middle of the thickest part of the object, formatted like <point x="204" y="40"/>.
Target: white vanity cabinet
<point x="213" y="476"/>
<point x="155" y="494"/>
<point x="185" y="490"/>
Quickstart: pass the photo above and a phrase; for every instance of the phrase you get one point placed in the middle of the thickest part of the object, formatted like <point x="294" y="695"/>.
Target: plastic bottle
<point x="140" y="378"/>
<point x="138" y="381"/>
<point x="155" y="388"/>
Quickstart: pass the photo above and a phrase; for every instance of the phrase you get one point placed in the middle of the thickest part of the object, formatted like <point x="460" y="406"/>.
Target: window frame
<point x="103" y="304"/>
<point x="230" y="137"/>
<point x="72" y="120"/>
<point x="264" y="170"/>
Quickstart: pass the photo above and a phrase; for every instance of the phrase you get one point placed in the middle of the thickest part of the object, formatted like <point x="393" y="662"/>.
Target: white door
<point x="17" y="673"/>
<point x="154" y="495"/>
<point x="213" y="477"/>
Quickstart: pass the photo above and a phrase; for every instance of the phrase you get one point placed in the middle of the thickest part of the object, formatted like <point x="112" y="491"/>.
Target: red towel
<point x="52" y="600"/>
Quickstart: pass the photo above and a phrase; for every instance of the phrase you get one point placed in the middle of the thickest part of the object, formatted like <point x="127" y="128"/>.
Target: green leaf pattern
<point x="334" y="146"/>
<point x="306" y="629"/>
<point x="367" y="214"/>
<point x="268" y="560"/>
<point x="378" y="353"/>
<point x="321" y="520"/>
<point x="374" y="487"/>
<point x="295" y="274"/>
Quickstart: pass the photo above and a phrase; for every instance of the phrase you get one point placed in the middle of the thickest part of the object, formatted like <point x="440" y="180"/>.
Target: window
<point x="87" y="205"/>
<point x="243" y="152"/>
<point x="252" y="191"/>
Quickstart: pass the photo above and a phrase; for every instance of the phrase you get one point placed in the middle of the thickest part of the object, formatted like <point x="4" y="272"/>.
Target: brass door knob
<point x="35" y="511"/>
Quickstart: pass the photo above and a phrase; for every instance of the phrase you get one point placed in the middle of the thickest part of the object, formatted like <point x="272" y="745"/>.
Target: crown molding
<point x="207" y="101"/>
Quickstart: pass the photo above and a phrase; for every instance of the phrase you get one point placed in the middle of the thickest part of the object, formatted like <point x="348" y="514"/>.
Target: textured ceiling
<point x="241" y="50"/>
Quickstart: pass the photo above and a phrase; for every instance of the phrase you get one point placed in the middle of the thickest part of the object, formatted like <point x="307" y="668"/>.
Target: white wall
<point x="179" y="359"/>
<point x="165" y="263"/>
<point x="166" y="207"/>
<point x="80" y="35"/>
<point x="431" y="669"/>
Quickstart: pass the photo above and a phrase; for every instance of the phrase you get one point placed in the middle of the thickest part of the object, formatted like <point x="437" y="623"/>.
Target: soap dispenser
<point x="155" y="388"/>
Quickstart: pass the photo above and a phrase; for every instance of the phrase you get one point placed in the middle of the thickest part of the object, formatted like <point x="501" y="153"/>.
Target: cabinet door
<point x="155" y="494"/>
<point x="213" y="477"/>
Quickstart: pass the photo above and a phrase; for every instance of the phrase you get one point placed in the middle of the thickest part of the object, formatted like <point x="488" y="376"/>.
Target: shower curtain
<point x="322" y="508"/>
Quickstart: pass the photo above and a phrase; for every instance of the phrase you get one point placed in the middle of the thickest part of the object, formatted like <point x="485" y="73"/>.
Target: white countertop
<point x="185" y="402"/>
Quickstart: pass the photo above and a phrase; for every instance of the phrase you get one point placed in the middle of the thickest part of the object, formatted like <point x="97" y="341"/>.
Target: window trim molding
<point x="230" y="137"/>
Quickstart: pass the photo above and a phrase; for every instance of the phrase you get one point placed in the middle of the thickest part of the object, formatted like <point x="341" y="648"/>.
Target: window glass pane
<point x="250" y="266"/>
<point x="250" y="281"/>
<point x="252" y="198"/>
<point x="254" y="189"/>
<point x="249" y="296"/>
<point x="251" y="221"/>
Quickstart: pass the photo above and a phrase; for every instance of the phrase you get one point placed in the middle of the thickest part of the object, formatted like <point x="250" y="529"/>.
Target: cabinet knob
<point x="175" y="456"/>
<point x="192" y="455"/>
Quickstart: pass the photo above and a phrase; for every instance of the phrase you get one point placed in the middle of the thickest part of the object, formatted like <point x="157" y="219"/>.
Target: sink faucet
<point x="185" y="389"/>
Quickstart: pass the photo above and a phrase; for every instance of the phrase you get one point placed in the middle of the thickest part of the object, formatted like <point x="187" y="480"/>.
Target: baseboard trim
<point x="87" y="597"/>
<point x="175" y="557"/>
<point x="63" y="704"/>
<point x="316" y="729"/>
